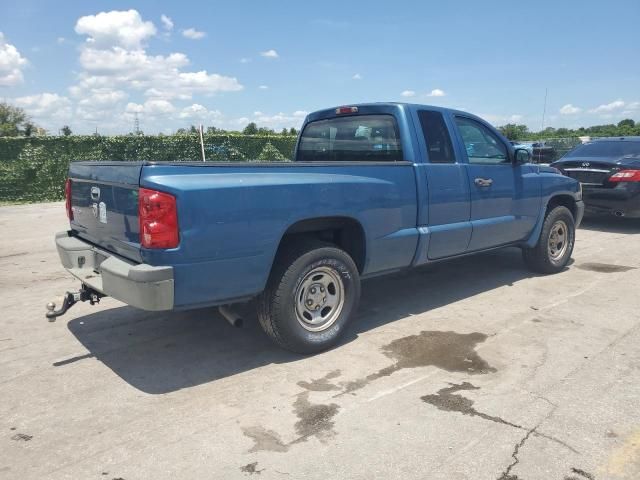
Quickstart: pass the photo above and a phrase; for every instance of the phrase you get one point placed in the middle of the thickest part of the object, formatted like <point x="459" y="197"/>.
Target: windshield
<point x="358" y="138"/>
<point x="606" y="149"/>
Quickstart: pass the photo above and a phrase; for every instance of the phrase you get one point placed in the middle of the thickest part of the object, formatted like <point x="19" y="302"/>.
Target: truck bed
<point x="232" y="216"/>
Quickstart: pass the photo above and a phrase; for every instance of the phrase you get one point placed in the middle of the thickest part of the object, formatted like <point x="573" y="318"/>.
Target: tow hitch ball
<point x="70" y="299"/>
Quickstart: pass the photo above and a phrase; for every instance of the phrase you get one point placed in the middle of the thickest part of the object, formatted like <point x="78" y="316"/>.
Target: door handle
<point x="483" y="182"/>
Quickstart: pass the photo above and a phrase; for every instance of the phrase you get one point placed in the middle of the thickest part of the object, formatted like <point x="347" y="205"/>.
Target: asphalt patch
<point x="21" y="437"/>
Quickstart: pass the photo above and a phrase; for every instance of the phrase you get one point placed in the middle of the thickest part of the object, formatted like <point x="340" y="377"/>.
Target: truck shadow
<point x="610" y="224"/>
<point x="164" y="352"/>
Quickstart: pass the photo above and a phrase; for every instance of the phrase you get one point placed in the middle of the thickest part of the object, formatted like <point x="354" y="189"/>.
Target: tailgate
<point x="104" y="198"/>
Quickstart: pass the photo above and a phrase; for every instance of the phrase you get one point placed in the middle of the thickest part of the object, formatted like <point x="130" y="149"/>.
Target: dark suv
<point x="609" y="171"/>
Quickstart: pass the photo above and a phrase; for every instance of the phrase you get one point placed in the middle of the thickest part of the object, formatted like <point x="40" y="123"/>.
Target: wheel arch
<point x="559" y="199"/>
<point x="342" y="231"/>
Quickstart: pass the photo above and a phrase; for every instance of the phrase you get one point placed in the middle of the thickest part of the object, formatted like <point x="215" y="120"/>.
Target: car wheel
<point x="313" y="289"/>
<point x="555" y="245"/>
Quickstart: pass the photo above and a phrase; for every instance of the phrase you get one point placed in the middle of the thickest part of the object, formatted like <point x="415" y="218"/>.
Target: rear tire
<point x="555" y="245"/>
<point x="313" y="289"/>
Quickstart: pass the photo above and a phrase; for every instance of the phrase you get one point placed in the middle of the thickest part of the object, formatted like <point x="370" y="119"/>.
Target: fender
<point x="535" y="233"/>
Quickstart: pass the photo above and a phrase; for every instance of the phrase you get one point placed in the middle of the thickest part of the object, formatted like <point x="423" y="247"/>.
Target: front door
<point x="503" y="194"/>
<point x="447" y="189"/>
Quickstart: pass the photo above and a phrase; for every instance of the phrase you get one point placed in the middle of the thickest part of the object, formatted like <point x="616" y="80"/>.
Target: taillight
<point x="67" y="199"/>
<point x="158" y="216"/>
<point x="625" y="176"/>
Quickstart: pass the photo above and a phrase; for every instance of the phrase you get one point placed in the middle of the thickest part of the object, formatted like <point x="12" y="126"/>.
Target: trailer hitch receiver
<point x="85" y="294"/>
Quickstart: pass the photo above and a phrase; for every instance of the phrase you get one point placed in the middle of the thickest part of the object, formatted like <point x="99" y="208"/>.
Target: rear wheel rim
<point x="319" y="299"/>
<point x="558" y="240"/>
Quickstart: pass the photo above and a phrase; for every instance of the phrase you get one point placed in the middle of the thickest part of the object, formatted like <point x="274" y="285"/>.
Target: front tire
<point x="555" y="245"/>
<point x="312" y="291"/>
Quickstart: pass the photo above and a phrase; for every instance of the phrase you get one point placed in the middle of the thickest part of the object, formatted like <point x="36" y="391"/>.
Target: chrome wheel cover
<point x="558" y="240"/>
<point x="319" y="299"/>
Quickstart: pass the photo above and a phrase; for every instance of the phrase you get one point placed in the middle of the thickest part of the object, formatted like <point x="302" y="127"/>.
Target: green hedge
<point x="33" y="169"/>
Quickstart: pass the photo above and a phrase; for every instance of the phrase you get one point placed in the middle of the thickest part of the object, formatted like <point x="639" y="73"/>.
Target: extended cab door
<point x="505" y="197"/>
<point x="448" y="203"/>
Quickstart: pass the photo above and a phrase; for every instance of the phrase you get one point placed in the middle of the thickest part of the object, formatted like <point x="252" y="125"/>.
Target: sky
<point x="96" y="65"/>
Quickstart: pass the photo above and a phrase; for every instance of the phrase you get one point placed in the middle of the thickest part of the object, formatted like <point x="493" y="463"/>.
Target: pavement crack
<point x="506" y="474"/>
<point x="448" y="400"/>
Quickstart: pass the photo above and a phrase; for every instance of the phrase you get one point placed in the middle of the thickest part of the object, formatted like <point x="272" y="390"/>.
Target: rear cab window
<point x="356" y="138"/>
<point x="436" y="137"/>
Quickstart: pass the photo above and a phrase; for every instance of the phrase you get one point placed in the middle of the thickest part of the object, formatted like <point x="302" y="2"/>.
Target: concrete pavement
<point x="471" y="369"/>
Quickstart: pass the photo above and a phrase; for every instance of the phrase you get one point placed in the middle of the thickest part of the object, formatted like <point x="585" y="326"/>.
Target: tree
<point x="12" y="120"/>
<point x="627" y="122"/>
<point x="250" y="129"/>
<point x="293" y="131"/>
<point x="284" y="132"/>
<point x="66" y="131"/>
<point x="29" y="129"/>
<point x="513" y="131"/>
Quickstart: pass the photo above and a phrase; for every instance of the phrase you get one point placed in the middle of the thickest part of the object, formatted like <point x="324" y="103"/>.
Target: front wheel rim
<point x="319" y="299"/>
<point x="558" y="240"/>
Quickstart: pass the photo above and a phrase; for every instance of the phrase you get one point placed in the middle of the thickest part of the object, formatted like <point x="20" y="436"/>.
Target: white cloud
<point x="515" y="118"/>
<point x="167" y="23"/>
<point x="436" y="92"/>
<point x="269" y="54"/>
<point x="61" y="40"/>
<point x="279" y="120"/>
<point x="115" y="28"/>
<point x="160" y="76"/>
<point x="357" y="76"/>
<point x="151" y="107"/>
<point x="263" y="87"/>
<point x="199" y="112"/>
<point x="569" y="109"/>
<point x="193" y="34"/>
<point x="245" y="60"/>
<point x="608" y="107"/>
<point x="11" y="64"/>
<point x="46" y="109"/>
<point x="633" y="106"/>
<point x="408" y="93"/>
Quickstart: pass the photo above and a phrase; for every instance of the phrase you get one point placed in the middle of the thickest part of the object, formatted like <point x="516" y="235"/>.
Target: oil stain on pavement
<point x="251" y="468"/>
<point x="264" y="440"/>
<point x="604" y="267"/>
<point x="447" y="350"/>
<point x="450" y="351"/>
<point x="446" y="399"/>
<point x="314" y="419"/>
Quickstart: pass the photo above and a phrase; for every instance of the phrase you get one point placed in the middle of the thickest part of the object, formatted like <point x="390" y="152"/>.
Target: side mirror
<point x="521" y="155"/>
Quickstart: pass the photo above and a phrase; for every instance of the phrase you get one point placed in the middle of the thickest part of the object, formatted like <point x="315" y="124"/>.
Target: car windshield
<point x="354" y="138"/>
<point x="606" y="149"/>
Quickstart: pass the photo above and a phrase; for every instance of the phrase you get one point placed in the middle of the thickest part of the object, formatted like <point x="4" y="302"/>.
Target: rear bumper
<point x="624" y="200"/>
<point x="139" y="285"/>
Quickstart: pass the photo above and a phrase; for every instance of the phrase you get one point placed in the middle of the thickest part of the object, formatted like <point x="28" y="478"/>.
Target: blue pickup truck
<point x="373" y="188"/>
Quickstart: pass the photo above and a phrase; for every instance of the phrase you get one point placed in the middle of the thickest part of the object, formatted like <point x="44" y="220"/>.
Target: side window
<point x="482" y="145"/>
<point x="436" y="136"/>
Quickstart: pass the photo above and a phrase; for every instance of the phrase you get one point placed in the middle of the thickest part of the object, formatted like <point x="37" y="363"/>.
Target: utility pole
<point x="136" y="124"/>
<point x="202" y="142"/>
<point x="544" y="108"/>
